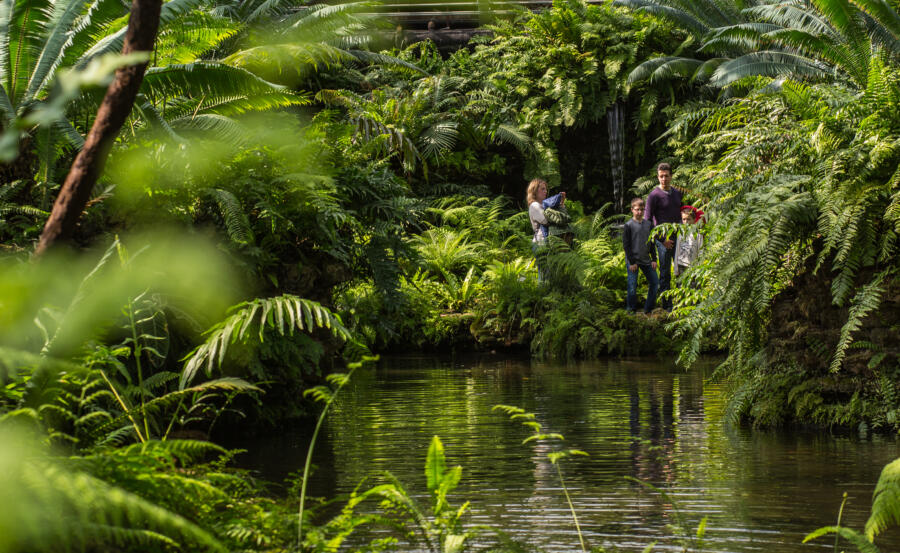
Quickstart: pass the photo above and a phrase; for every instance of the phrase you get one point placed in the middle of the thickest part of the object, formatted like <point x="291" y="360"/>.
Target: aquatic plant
<point x="538" y="433"/>
<point x="885" y="513"/>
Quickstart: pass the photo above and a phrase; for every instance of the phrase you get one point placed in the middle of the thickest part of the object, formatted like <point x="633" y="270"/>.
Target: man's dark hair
<point x="664" y="167"/>
<point x="636" y="201"/>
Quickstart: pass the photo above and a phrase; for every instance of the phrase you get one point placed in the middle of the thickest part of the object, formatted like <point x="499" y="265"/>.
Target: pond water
<point x="761" y="491"/>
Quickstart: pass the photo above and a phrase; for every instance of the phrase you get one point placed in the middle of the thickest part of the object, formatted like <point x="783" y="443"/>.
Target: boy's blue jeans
<point x="652" y="282"/>
<point x="665" y="257"/>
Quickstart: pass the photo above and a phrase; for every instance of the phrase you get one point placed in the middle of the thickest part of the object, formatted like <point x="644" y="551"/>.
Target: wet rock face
<point x="805" y="326"/>
<point x="792" y="382"/>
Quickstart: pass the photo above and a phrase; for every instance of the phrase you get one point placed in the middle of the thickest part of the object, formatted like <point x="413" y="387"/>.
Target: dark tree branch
<point x="76" y="190"/>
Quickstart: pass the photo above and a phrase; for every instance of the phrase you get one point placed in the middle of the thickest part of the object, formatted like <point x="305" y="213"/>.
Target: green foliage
<point x="885" y="513"/>
<point x="284" y="314"/>
<point x="801" y="216"/>
<point x="885" y="501"/>
<point x="686" y="538"/>
<point x="97" y="514"/>
<point x="554" y="456"/>
<point x="590" y="325"/>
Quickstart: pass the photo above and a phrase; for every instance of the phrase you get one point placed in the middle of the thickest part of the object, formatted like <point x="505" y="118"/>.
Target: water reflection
<point x="760" y="490"/>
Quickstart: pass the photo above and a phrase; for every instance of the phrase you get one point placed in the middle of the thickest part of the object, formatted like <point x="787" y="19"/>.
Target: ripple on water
<point x="761" y="491"/>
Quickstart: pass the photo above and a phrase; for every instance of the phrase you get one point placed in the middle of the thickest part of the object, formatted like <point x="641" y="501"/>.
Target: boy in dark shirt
<point x="639" y="255"/>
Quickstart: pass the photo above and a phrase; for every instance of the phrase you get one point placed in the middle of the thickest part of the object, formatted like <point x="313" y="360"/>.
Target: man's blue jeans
<point x="664" y="261"/>
<point x="652" y="283"/>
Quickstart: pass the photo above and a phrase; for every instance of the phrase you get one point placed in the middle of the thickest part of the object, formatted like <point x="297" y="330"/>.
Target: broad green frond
<point x="211" y="126"/>
<point x="97" y="514"/>
<point x="885" y="14"/>
<point x="858" y="540"/>
<point x="740" y="37"/>
<point x="290" y="61"/>
<point x="204" y="78"/>
<point x="766" y="63"/>
<point x="885" y="501"/>
<point x="514" y="136"/>
<point x="792" y="15"/>
<point x="438" y="139"/>
<point x="189" y="37"/>
<point x="644" y="70"/>
<point x="64" y="14"/>
<point x="113" y="43"/>
<point x="677" y="16"/>
<point x="282" y="313"/>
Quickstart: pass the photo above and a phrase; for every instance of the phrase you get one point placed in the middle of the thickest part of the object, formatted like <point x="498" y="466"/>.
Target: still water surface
<point x="761" y="491"/>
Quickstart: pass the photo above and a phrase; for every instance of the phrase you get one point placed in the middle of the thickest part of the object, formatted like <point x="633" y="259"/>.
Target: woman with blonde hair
<point x="534" y="197"/>
<point x="537" y="193"/>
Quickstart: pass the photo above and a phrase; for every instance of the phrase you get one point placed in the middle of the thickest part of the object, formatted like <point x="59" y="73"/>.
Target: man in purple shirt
<point x="664" y="206"/>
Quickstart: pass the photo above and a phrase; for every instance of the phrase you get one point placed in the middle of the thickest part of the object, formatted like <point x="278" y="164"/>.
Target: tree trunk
<point x="76" y="190"/>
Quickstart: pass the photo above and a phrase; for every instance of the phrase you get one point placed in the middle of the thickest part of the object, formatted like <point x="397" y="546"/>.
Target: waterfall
<point x="615" y="121"/>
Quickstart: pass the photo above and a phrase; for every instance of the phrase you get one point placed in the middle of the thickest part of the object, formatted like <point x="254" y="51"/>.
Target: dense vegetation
<point x="285" y="199"/>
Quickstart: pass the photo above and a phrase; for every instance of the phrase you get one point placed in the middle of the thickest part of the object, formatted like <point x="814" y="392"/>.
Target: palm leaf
<point x="233" y="106"/>
<point x="788" y="15"/>
<point x="438" y="138"/>
<point x="154" y="118"/>
<point x="113" y="43"/>
<point x="67" y="131"/>
<point x="882" y="12"/>
<point x="645" y="69"/>
<point x="767" y="63"/>
<point x="324" y="21"/>
<point x="64" y="14"/>
<point x="6" y="14"/>
<point x="740" y="37"/>
<point x="6" y="107"/>
<point x="677" y="16"/>
<point x="189" y="37"/>
<point x="706" y="70"/>
<point x="300" y="58"/>
<point x="204" y="78"/>
<point x="844" y="17"/>
<point x="510" y="134"/>
<point x="678" y="67"/>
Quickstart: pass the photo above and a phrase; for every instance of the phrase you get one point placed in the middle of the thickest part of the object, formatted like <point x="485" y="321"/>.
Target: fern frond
<point x="857" y="539"/>
<point x="281" y="313"/>
<point x="236" y="222"/>
<point x="866" y="301"/>
<point x="885" y="501"/>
